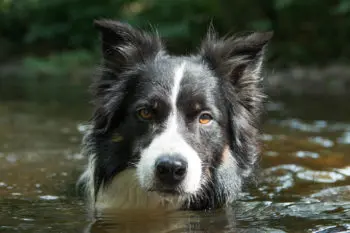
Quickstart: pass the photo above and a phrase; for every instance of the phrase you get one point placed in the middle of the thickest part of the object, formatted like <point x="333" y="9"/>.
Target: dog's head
<point x="185" y="124"/>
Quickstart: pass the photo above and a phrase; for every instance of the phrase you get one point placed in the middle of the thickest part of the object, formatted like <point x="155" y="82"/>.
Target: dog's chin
<point x="167" y="192"/>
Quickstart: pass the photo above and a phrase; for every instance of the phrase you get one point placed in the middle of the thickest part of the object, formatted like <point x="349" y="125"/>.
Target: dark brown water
<point x="305" y="184"/>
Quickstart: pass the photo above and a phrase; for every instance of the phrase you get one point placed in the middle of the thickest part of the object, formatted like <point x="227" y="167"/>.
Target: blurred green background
<point x="52" y="44"/>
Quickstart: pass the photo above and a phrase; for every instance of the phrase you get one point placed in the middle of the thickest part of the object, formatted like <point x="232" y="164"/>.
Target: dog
<point x="173" y="132"/>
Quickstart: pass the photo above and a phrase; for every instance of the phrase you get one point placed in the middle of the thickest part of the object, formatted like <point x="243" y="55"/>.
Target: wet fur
<point x="113" y="145"/>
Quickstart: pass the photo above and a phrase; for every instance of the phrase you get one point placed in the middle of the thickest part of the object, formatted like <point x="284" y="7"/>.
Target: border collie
<point x="173" y="132"/>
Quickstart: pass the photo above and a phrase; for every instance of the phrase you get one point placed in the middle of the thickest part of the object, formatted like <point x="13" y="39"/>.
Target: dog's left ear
<point x="238" y="59"/>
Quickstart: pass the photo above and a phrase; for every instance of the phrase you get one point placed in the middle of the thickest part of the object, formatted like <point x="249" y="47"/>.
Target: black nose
<point x="171" y="170"/>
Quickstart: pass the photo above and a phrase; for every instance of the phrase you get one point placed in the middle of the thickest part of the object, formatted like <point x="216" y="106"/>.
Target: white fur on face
<point x="171" y="142"/>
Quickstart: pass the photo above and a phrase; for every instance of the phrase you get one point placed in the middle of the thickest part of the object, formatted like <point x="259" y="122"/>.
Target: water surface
<point x="305" y="185"/>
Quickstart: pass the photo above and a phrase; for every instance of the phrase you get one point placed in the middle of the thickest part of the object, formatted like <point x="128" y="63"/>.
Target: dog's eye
<point x="145" y="114"/>
<point x="205" y="118"/>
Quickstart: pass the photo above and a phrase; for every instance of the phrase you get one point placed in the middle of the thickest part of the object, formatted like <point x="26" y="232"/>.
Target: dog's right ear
<point x="123" y="45"/>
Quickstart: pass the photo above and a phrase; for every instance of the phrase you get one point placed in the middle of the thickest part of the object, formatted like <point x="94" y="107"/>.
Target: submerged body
<point x="173" y="132"/>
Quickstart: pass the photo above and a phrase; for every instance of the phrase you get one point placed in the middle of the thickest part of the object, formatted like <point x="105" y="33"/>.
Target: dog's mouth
<point x="166" y="192"/>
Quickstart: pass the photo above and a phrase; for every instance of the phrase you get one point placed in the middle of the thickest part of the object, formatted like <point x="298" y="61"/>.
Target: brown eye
<point x="145" y="114"/>
<point x="205" y="118"/>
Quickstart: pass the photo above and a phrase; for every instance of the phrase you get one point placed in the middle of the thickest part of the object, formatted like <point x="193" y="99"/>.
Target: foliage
<point x="310" y="31"/>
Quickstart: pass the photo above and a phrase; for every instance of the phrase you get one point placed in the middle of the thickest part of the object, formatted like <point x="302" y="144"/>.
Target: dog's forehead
<point x="198" y="76"/>
<point x="188" y="72"/>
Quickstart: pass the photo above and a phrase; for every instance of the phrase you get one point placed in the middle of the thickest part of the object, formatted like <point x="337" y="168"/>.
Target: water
<point x="305" y="183"/>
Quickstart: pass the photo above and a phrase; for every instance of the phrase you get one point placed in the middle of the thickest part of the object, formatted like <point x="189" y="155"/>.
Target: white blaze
<point x="171" y="142"/>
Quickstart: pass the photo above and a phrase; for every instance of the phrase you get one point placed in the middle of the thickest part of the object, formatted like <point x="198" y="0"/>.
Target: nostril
<point x="162" y="168"/>
<point x="180" y="172"/>
<point x="180" y="167"/>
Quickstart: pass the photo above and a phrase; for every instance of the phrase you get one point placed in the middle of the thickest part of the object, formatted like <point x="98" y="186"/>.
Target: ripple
<point x="320" y="176"/>
<point x="288" y="167"/>
<point x="16" y="194"/>
<point x="266" y="137"/>
<point x="82" y="128"/>
<point x="333" y="194"/>
<point x="283" y="182"/>
<point x="48" y="197"/>
<point x="344" y="139"/>
<point x="332" y="229"/>
<point x="274" y="106"/>
<point x="307" y="154"/>
<point x="345" y="171"/>
<point x="11" y="158"/>
<point x="339" y="127"/>
<point x="316" y="126"/>
<point x="308" y="210"/>
<point x="322" y="141"/>
<point x="65" y="130"/>
<point x="279" y="179"/>
<point x="76" y="156"/>
<point x="28" y="219"/>
<point x="271" y="153"/>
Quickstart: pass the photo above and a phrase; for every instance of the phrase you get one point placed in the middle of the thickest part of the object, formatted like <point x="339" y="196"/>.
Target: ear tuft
<point x="123" y="45"/>
<point x="252" y="43"/>
<point x="243" y="52"/>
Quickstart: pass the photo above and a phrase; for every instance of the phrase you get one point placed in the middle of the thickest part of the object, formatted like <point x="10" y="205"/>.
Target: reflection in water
<point x="241" y="218"/>
<point x="161" y="222"/>
<point x="305" y="182"/>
